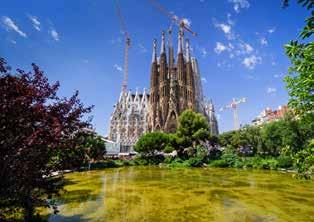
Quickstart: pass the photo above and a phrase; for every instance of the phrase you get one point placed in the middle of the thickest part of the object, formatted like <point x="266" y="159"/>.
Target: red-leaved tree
<point x="35" y="124"/>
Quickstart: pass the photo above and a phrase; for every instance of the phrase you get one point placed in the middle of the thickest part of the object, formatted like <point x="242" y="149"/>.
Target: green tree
<point x="226" y="138"/>
<point x="304" y="161"/>
<point x="272" y="137"/>
<point x="281" y="134"/>
<point x="300" y="80"/>
<point x="192" y="129"/>
<point x="149" y="143"/>
<point x="89" y="147"/>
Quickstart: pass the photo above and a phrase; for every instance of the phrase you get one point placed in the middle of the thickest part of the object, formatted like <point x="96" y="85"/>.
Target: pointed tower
<point x="181" y="75"/>
<point x="163" y="81"/>
<point x="154" y="87"/>
<point x="170" y="49"/>
<point x="189" y="97"/>
<point x="199" y="98"/>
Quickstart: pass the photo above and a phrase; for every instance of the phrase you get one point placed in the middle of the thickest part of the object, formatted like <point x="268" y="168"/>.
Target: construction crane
<point x="234" y="106"/>
<point x="126" y="49"/>
<point x="175" y="19"/>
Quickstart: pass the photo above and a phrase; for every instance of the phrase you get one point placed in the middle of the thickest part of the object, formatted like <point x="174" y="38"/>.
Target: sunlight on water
<point x="163" y="194"/>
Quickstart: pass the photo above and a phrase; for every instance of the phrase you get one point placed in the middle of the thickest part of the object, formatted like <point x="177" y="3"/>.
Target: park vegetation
<point x="283" y="144"/>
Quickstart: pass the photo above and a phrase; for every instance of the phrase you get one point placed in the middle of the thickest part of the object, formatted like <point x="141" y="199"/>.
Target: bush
<point x="178" y="162"/>
<point x="104" y="164"/>
<point x="285" y="162"/>
<point x="219" y="163"/>
<point x="230" y="158"/>
<point x="149" y="160"/>
<point x="169" y="159"/>
<point x="168" y="149"/>
<point x="304" y="161"/>
<point x="195" y="162"/>
<point x="149" y="143"/>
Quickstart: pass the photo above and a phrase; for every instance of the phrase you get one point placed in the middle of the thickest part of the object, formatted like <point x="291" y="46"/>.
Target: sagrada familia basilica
<point x="175" y="85"/>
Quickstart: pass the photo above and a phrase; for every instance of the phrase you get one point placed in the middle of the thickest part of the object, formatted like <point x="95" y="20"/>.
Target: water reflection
<point x="161" y="194"/>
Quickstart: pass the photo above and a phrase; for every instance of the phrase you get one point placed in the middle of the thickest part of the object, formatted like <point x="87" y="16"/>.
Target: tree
<point x="89" y="147"/>
<point x="271" y="134"/>
<point x="300" y="81"/>
<point x="226" y="138"/>
<point x="149" y="143"/>
<point x="35" y="123"/>
<point x="193" y="128"/>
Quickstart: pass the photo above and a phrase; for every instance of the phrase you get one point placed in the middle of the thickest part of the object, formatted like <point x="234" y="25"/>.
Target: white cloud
<point x="54" y="34"/>
<point x="271" y="30"/>
<point x="10" y="25"/>
<point x="239" y="4"/>
<point x="226" y="28"/>
<point x="142" y="48"/>
<point x="263" y="41"/>
<point x="118" y="68"/>
<point x="270" y="90"/>
<point x="251" y="61"/>
<point x="204" y="80"/>
<point x="13" y="42"/>
<point x="203" y="51"/>
<point x="187" y="21"/>
<point x="244" y="48"/>
<point x="220" y="47"/>
<point x="35" y="21"/>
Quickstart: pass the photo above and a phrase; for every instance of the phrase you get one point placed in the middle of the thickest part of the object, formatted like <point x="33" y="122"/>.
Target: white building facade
<point x="129" y="120"/>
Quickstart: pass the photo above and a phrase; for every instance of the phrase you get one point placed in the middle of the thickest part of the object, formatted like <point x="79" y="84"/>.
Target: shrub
<point x="149" y="143"/>
<point x="230" y="158"/>
<point x="285" y="162"/>
<point x="219" y="163"/>
<point x="195" y="162"/>
<point x="169" y="159"/>
<point x="304" y="161"/>
<point x="168" y="149"/>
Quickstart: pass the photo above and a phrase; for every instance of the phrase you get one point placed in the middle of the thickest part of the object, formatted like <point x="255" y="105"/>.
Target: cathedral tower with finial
<point x="175" y="85"/>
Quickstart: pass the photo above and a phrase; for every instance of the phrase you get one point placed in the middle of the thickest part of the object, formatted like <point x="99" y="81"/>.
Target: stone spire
<point x="180" y="42"/>
<point x="187" y="51"/>
<point x="171" y="59"/>
<point x="163" y="45"/>
<point x="154" y="57"/>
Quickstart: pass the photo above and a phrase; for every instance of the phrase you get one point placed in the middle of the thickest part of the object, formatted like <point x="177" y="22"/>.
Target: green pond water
<point x="200" y="194"/>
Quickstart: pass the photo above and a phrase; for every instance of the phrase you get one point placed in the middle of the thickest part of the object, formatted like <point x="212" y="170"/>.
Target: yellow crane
<point x="126" y="49"/>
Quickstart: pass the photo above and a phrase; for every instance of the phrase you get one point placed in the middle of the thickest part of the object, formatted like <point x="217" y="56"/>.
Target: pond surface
<point x="201" y="194"/>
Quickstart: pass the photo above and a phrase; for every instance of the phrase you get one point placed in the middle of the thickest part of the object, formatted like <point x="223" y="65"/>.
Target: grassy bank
<point x="228" y="161"/>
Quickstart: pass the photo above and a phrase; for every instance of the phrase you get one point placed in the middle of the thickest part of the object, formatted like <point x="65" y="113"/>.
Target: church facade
<point x="129" y="119"/>
<point x="175" y="85"/>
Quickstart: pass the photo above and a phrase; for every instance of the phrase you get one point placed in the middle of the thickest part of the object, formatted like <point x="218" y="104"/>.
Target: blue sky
<point x="79" y="42"/>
